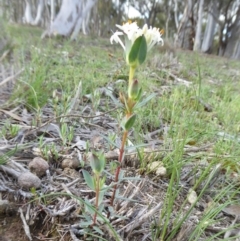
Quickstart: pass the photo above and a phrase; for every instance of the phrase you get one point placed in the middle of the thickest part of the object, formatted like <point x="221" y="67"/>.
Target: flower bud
<point x="133" y="90"/>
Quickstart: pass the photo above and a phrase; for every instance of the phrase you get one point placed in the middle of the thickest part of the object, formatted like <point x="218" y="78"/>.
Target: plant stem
<point x="131" y="74"/>
<point x="97" y="197"/>
<point x="124" y="139"/>
<point x="120" y="158"/>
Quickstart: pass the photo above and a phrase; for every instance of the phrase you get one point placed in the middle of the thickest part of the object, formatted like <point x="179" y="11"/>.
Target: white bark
<point x="168" y="18"/>
<point x="52" y="10"/>
<point x="176" y="13"/>
<point x="213" y="15"/>
<point x="28" y="13"/>
<point x="83" y="19"/>
<point x="233" y="43"/>
<point x="39" y="12"/>
<point x="184" y="38"/>
<point x="236" y="52"/>
<point x="197" y="40"/>
<point x="72" y="17"/>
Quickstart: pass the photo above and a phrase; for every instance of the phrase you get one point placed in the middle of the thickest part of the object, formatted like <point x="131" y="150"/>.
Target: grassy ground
<point x="194" y="120"/>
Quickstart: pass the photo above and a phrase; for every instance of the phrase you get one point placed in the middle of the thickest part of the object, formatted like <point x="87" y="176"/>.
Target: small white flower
<point x="152" y="35"/>
<point x="131" y="32"/>
<point x="115" y="38"/>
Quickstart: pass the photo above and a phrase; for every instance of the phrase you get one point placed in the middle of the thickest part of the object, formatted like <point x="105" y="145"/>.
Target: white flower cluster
<point x="131" y="31"/>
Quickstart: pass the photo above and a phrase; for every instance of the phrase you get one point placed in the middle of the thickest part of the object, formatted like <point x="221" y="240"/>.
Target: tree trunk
<point x="39" y="13"/>
<point x="83" y="19"/>
<point x="168" y="17"/>
<point x="28" y="13"/>
<point x="52" y="10"/>
<point x="233" y="42"/>
<point x="185" y="33"/>
<point x="213" y="15"/>
<point x="72" y="16"/>
<point x="176" y="13"/>
<point x="197" y="40"/>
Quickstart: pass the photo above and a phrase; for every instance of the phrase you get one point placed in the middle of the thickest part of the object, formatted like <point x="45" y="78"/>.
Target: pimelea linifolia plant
<point x="138" y="42"/>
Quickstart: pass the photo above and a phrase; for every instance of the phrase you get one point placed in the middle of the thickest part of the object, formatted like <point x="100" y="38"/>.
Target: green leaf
<point x="139" y="94"/>
<point x="89" y="207"/>
<point x="85" y="224"/>
<point x="130" y="122"/>
<point x="101" y="196"/>
<point x="138" y="52"/>
<point x="102" y="182"/>
<point x="101" y="207"/>
<point x="144" y="101"/>
<point x="98" y="230"/>
<point x="97" y="162"/>
<point x="89" y="180"/>
<point x="114" y="99"/>
<point x="121" y="175"/>
<point x="4" y="158"/>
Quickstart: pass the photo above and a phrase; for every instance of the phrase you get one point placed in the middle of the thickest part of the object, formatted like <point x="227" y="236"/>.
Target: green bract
<point x="134" y="92"/>
<point x="138" y="52"/>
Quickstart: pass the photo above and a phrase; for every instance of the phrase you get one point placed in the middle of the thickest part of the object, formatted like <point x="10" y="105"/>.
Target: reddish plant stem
<point x="120" y="159"/>
<point x="97" y="197"/>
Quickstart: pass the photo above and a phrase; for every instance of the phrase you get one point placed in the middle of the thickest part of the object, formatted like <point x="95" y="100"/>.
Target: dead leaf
<point x="14" y="116"/>
<point x="233" y="209"/>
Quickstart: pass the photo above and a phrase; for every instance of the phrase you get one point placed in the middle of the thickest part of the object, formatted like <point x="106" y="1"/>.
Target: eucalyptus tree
<point x="220" y="20"/>
<point x="213" y="12"/>
<point x="229" y="37"/>
<point x="72" y="17"/>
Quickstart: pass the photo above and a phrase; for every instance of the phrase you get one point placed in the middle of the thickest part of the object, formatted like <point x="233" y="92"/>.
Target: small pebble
<point x="192" y="196"/>
<point x="71" y="163"/>
<point x="111" y="155"/>
<point x="158" y="168"/>
<point x="28" y="180"/>
<point x="38" y="166"/>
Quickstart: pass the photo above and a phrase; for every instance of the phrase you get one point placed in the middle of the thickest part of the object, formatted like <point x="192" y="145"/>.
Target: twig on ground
<point x="65" y="187"/>
<point x="73" y="236"/>
<point x="140" y="219"/>
<point x="10" y="171"/>
<point x="62" y="212"/>
<point x="111" y="234"/>
<point x="4" y="55"/>
<point x="229" y="231"/>
<point x="28" y="212"/>
<point x="182" y="81"/>
<point x="136" y="191"/>
<point x="11" y="77"/>
<point x="74" y="116"/>
<point x="25" y="226"/>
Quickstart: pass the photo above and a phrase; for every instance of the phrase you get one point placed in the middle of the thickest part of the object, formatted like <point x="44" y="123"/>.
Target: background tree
<point x="197" y="40"/>
<point x="208" y="26"/>
<point x="186" y="28"/>
<point x="106" y="14"/>
<point x="210" y="29"/>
